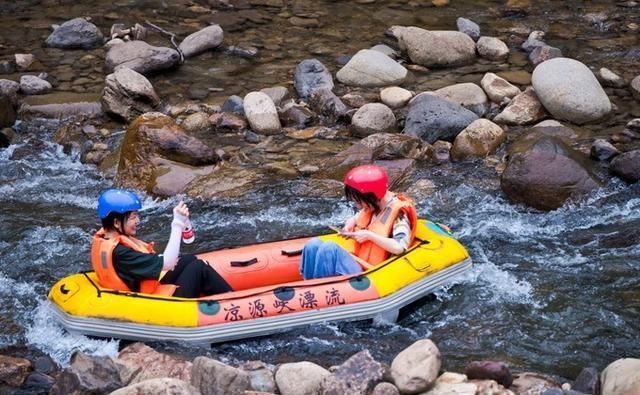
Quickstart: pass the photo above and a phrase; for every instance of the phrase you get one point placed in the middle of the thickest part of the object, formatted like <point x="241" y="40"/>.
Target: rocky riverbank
<point x="139" y="369"/>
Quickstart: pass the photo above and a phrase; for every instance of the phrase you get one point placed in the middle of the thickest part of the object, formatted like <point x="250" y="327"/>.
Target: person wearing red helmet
<point x="384" y="225"/>
<point x="125" y="263"/>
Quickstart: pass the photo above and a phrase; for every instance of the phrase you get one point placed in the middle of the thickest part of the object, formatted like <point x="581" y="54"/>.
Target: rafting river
<point x="549" y="292"/>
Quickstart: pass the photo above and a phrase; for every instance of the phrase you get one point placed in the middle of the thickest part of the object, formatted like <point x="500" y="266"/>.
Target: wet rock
<point x="146" y="363"/>
<point x="261" y="113"/>
<point x="88" y="374"/>
<point x="603" y="150"/>
<point x="544" y="53"/>
<point x="196" y="122"/>
<point x="621" y="377"/>
<point x="453" y="383"/>
<point x="337" y="166"/>
<point x="277" y="93"/>
<point x="359" y="99"/>
<point x="432" y="118"/>
<point x="13" y="371"/>
<point x="32" y="85"/>
<point x="524" y="109"/>
<point x="141" y="57"/>
<point x="635" y="88"/>
<point x="415" y="368"/>
<point x="154" y="135"/>
<point x="260" y="375"/>
<point x="7" y="137"/>
<point x="76" y="33"/>
<point x="225" y="122"/>
<point x="311" y="75"/>
<point x="212" y="377"/>
<point x="24" y="61"/>
<point x="611" y="79"/>
<point x="357" y="375"/>
<point x="373" y="118"/>
<point x="435" y="48"/>
<point x="498" y="88"/>
<point x="570" y="91"/>
<point x="531" y="383"/>
<point x="233" y="104"/>
<point x="10" y="90"/>
<point x="325" y="103"/>
<point x="469" y="28"/>
<point x="61" y="105"/>
<point x="395" y="97"/>
<point x="558" y="391"/>
<point x="468" y="95"/>
<point x="203" y="40"/>
<point x="492" y="48"/>
<point x="627" y="167"/>
<point x="371" y="68"/>
<point x="546" y="173"/>
<point x="159" y="386"/>
<point x="44" y="364"/>
<point x="251" y="137"/>
<point x="6" y="67"/>
<point x="389" y="146"/>
<point x="588" y="381"/>
<point x="7" y="112"/>
<point x="534" y="41"/>
<point x="489" y="370"/>
<point x="128" y="94"/>
<point x="296" y="115"/>
<point x="300" y="378"/>
<point x="479" y="139"/>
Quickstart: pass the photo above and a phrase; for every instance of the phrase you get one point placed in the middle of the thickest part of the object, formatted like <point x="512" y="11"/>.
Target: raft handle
<point x="243" y="263"/>
<point x="291" y="253"/>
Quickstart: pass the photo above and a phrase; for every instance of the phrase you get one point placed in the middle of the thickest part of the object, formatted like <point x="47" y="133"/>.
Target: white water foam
<point x="51" y="338"/>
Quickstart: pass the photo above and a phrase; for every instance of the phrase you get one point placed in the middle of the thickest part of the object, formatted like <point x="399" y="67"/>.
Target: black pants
<point x="195" y="278"/>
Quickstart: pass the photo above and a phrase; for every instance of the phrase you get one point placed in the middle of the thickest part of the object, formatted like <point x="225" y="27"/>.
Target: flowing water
<point x="550" y="292"/>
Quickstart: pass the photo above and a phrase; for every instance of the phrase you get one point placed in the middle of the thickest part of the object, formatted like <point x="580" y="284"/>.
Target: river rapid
<point x="551" y="292"/>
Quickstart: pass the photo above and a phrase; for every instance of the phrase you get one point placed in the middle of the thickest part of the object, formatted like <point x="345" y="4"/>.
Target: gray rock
<point x="311" y="75"/>
<point x="300" y="378"/>
<point x="391" y="146"/>
<point x="128" y="94"/>
<point x="385" y="389"/>
<point x="544" y="53"/>
<point x="469" y="28"/>
<point x="415" y="368"/>
<point x="492" y="48"/>
<point x="570" y="91"/>
<point x="141" y="57"/>
<point x="468" y="95"/>
<point x="588" y="381"/>
<point x="357" y="375"/>
<point x="233" y="104"/>
<point x="432" y="118"/>
<point x="211" y="377"/>
<point x="385" y="49"/>
<point x="208" y="38"/>
<point x="621" y="377"/>
<point x="88" y="374"/>
<point x="395" y="97"/>
<point x="524" y="109"/>
<point x="546" y="174"/>
<point x="435" y="48"/>
<point x="627" y="167"/>
<point x="32" y="85"/>
<point x="497" y="88"/>
<point x="329" y="106"/>
<point x="635" y="88"/>
<point x="371" y="68"/>
<point x="76" y="33"/>
<point x="10" y="90"/>
<point x="603" y="150"/>
<point x="534" y="41"/>
<point x="261" y="113"/>
<point x="260" y="375"/>
<point x="277" y="93"/>
<point x="373" y="118"/>
<point x="611" y="79"/>
<point x="295" y="115"/>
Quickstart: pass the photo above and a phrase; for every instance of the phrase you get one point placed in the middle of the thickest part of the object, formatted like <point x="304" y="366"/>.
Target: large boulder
<point x="570" y="91"/>
<point x="621" y="377"/>
<point x="128" y="94"/>
<point x="546" y="173"/>
<point x="415" y="369"/>
<point x="435" y="48"/>
<point x="311" y="75"/>
<point x="627" y="166"/>
<point x="152" y="136"/>
<point x="371" y="68"/>
<point x="76" y="33"/>
<point x="261" y="113"/>
<point x="202" y="40"/>
<point x="141" y="57"/>
<point x="432" y="118"/>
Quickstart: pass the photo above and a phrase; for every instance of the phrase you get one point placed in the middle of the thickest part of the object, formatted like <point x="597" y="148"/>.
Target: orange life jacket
<point x="102" y="262"/>
<point x="383" y="225"/>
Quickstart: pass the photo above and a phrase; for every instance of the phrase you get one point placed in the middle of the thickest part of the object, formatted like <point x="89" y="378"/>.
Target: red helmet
<point x="368" y="178"/>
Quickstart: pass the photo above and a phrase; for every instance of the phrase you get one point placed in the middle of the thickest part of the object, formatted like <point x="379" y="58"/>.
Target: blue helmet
<point x="117" y="200"/>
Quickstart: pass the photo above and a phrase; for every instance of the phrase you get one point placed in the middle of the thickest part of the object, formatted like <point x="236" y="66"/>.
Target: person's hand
<point x="359" y="235"/>
<point x="180" y="215"/>
<point x="350" y="225"/>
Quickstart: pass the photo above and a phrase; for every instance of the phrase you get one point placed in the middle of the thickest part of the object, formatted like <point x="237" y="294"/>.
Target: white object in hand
<point x="188" y="234"/>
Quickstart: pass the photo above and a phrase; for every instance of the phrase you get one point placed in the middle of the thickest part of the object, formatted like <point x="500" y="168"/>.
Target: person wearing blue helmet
<point x="125" y="263"/>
